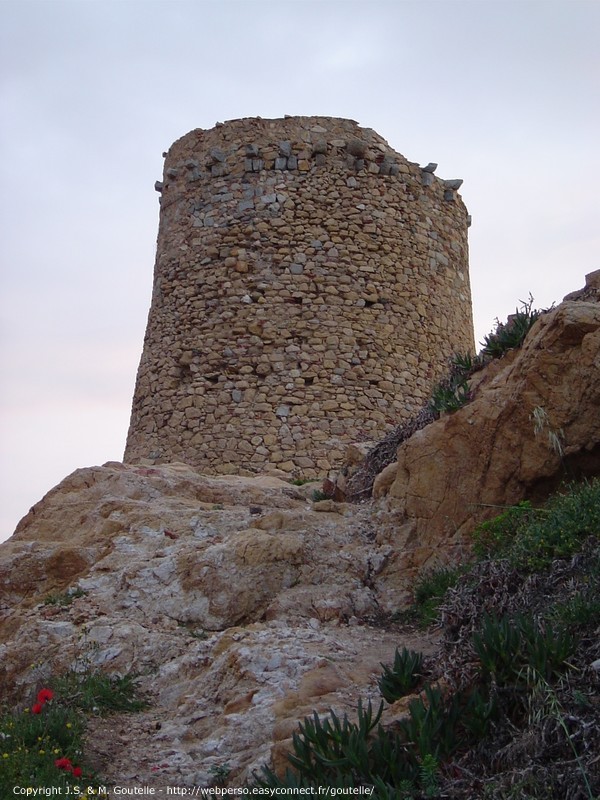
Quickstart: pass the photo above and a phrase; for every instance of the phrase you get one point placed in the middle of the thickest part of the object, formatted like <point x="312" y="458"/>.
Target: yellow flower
<point x="4" y="755"/>
<point x="69" y="725"/>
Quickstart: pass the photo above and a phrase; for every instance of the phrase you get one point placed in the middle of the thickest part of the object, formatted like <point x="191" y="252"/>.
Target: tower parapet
<point x="310" y="285"/>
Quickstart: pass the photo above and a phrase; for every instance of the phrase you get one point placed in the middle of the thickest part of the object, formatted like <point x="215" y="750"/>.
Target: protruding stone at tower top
<point x="310" y="285"/>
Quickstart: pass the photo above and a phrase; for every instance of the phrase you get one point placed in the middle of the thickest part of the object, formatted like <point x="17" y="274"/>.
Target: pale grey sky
<point x="502" y="94"/>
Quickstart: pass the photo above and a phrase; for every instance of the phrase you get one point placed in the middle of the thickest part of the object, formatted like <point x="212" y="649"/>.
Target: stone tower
<point x="310" y="285"/>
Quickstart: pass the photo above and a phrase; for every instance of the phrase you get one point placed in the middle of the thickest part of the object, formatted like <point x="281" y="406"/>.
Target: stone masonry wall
<point x="310" y="286"/>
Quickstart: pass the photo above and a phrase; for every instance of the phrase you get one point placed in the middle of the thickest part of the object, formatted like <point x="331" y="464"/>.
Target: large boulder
<point x="534" y="422"/>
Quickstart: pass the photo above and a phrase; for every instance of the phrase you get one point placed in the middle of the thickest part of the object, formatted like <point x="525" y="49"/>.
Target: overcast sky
<point x="502" y="94"/>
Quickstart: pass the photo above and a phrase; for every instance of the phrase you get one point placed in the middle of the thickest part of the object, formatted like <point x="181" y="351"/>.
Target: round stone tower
<point x="310" y="285"/>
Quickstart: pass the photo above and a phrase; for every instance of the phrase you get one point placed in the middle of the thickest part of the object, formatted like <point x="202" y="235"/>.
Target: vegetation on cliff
<point x="43" y="745"/>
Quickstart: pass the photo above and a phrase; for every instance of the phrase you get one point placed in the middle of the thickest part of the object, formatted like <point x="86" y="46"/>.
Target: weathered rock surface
<point x="533" y="423"/>
<point x="244" y="604"/>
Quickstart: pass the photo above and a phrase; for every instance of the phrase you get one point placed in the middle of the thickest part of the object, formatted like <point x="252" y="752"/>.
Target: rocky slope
<point x="245" y="605"/>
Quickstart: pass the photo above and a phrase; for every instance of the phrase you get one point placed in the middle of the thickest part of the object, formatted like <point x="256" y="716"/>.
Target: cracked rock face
<point x="244" y="607"/>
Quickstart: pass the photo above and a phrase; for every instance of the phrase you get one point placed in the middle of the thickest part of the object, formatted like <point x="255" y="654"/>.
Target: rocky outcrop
<point x="532" y="424"/>
<point x="245" y="605"/>
<point x="209" y="551"/>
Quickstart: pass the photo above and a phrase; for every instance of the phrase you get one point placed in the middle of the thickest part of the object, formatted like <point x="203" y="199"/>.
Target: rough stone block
<point x="218" y="170"/>
<point x="357" y="148"/>
<point x="217" y="154"/>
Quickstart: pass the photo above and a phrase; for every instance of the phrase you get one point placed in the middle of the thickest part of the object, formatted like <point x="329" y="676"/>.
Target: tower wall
<point x="310" y="285"/>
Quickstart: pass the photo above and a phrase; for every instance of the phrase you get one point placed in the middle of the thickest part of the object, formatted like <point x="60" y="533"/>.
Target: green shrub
<point x="402" y="677"/>
<point x="479" y="712"/>
<point x="340" y="753"/>
<point x="334" y="743"/>
<point x="547" y="648"/>
<point x="392" y="761"/>
<point x="42" y="746"/>
<point x="430" y="589"/>
<point x="579" y="611"/>
<point x="560" y="528"/>
<point x="453" y="392"/>
<point x="220" y="773"/>
<point x="400" y="763"/>
<point x="511" y="334"/>
<point x="448" y="398"/>
<point x="432" y="727"/>
<point x="498" y="647"/>
<point x="532" y="538"/>
<point x="492" y="539"/>
<point x="508" y="647"/>
<point x="97" y="692"/>
<point x="465" y="363"/>
<point x="428" y="773"/>
<point x="64" y="598"/>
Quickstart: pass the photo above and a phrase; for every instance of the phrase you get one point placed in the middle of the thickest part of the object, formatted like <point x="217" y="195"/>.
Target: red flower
<point x="44" y="695"/>
<point x="36" y="708"/>
<point x="64" y="763"/>
<point x="77" y="772"/>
